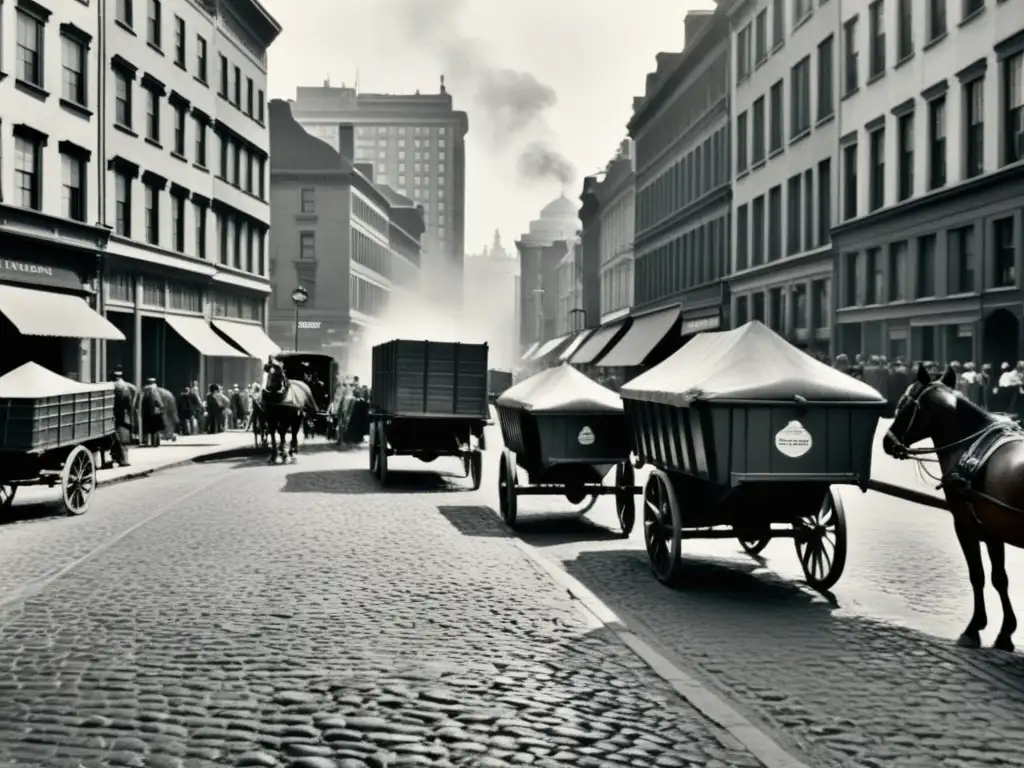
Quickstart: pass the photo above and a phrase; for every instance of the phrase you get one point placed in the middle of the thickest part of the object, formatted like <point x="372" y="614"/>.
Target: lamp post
<point x="299" y="297"/>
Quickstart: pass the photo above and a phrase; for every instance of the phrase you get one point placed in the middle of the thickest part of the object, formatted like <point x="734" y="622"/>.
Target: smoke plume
<point x="539" y="161"/>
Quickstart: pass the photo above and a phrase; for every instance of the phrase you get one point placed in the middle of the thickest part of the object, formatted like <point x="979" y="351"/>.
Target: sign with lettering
<point x="309" y="325"/>
<point x="36" y="273"/>
<point x="699" y="324"/>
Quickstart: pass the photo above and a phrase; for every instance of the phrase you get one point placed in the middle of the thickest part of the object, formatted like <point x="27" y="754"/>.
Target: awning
<point x="577" y="340"/>
<point x="529" y="353"/>
<point x="640" y="340"/>
<point x="595" y="345"/>
<point x="550" y="348"/>
<point x="197" y="332"/>
<point x="44" y="313"/>
<point x="250" y="338"/>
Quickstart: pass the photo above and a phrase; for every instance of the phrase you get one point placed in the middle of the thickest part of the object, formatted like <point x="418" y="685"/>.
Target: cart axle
<point x="585" y="490"/>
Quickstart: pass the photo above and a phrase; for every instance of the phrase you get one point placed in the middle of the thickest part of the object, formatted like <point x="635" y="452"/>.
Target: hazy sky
<point x="588" y="58"/>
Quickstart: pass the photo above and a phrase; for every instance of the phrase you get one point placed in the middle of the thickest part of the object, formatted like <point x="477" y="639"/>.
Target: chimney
<point x="347" y="141"/>
<point x="366" y="169"/>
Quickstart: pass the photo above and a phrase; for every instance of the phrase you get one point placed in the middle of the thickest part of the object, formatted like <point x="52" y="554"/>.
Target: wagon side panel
<point x="583" y="438"/>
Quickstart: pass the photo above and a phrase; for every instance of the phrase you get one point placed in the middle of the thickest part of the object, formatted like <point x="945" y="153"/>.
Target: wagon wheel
<point x="7" y="496"/>
<point x="475" y="461"/>
<point x="374" y="458"/>
<point x="753" y="545"/>
<point x="507" y="481"/>
<point x="820" y="540"/>
<point x="382" y="453"/>
<point x="625" y="503"/>
<point x="78" y="480"/>
<point x="663" y="528"/>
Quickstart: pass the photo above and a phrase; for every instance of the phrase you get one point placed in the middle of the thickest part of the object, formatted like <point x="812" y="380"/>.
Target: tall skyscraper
<point x="417" y="146"/>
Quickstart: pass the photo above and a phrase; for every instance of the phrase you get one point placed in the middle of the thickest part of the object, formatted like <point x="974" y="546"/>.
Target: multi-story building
<point x="184" y="186"/>
<point x="50" y="242"/>
<point x="491" y="301"/>
<point x="348" y="242"/>
<point x="616" y="199"/>
<point x="417" y="145"/>
<point x="680" y="129"/>
<point x="784" y="104"/>
<point x="569" y="277"/>
<point x="931" y="172"/>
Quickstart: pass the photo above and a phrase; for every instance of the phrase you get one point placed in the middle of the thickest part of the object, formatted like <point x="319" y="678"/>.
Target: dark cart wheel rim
<point x="7" y="496"/>
<point x="507" y="482"/>
<point x="625" y="502"/>
<point x="78" y="480"/>
<point x="382" y="453"/>
<point x="662" y="527"/>
<point x="821" y="543"/>
<point x="476" y="469"/>
<point x="372" y="450"/>
<point x="754" y="546"/>
<point x="503" y="489"/>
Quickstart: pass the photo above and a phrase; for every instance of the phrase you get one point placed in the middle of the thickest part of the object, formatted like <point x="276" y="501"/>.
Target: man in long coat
<point x="171" y="416"/>
<point x="152" y="414"/>
<point x="125" y="401"/>
<point x="216" y="405"/>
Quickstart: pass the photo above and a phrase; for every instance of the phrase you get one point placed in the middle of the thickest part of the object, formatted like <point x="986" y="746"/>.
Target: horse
<point x="258" y="418"/>
<point x="981" y="459"/>
<point x="285" y="405"/>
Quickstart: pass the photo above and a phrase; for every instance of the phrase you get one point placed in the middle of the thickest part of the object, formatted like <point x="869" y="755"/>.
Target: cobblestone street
<point x="239" y="614"/>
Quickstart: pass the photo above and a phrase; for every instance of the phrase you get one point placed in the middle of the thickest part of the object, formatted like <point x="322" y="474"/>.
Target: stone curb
<point x="217" y="455"/>
<point x="703" y="699"/>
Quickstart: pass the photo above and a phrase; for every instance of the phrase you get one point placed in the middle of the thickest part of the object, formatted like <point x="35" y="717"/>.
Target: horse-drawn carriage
<point x="51" y="431"/>
<point x="320" y="373"/>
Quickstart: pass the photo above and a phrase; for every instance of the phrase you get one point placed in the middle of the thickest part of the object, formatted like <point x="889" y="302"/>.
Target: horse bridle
<point x="284" y="384"/>
<point x="903" y="451"/>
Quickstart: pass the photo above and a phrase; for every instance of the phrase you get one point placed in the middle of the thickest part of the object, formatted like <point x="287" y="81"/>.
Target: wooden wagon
<point x="52" y="430"/>
<point x="320" y="373"/>
<point x="747" y="435"/>
<point x="566" y="432"/>
<point x="428" y="399"/>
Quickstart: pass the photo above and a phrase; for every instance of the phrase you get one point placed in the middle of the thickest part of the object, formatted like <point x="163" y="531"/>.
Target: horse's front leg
<point x="294" y="448"/>
<point x="273" y="444"/>
<point x="1001" y="584"/>
<point x="283" y="438"/>
<point x="967" y="532"/>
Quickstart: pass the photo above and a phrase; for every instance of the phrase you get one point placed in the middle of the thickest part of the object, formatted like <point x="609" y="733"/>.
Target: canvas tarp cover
<point x="31" y="381"/>
<point x="751" y="362"/>
<point x="561" y="390"/>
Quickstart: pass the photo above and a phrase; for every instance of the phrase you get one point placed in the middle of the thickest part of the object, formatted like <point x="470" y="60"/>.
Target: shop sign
<point x="309" y="325"/>
<point x="698" y="324"/>
<point x="33" y="273"/>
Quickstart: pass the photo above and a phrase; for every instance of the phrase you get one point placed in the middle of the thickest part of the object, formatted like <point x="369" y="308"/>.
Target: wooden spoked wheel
<point x="820" y="540"/>
<point x="382" y="453"/>
<point x="372" y="450"/>
<point x="7" y="496"/>
<point x="475" y="468"/>
<point x="625" y="502"/>
<point x="78" y="480"/>
<point x="508" y="501"/>
<point x="663" y="528"/>
<point x="754" y="546"/>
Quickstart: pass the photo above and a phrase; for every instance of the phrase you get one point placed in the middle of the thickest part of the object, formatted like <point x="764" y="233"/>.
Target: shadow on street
<point x="33" y="512"/>
<point x="553" y="529"/>
<point x="475" y="521"/>
<point x="359" y="481"/>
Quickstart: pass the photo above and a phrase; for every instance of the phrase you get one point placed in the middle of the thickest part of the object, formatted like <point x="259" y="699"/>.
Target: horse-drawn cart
<point x="746" y="435"/>
<point x="428" y="399"/>
<point x="51" y="430"/>
<point x="319" y="372"/>
<point x="567" y="433"/>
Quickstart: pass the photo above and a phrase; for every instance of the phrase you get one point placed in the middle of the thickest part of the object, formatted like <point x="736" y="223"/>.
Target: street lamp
<point x="299" y="297"/>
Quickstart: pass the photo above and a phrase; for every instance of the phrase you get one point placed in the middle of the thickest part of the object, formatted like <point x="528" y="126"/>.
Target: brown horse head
<point x="919" y="408"/>
<point x="277" y="381"/>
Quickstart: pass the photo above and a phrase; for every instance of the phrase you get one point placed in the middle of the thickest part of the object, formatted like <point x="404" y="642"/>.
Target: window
<point x="200" y="143"/>
<point x="125" y="12"/>
<point x="905" y="44"/>
<point x="774" y="223"/>
<point x="936" y="19"/>
<point x="876" y="27"/>
<point x="961" y="260"/>
<point x="201" y="58"/>
<point x="249" y="96"/>
<point x="30" y="49"/>
<point x="154" y="24"/>
<point x="1005" y="261"/>
<point x="1013" y="108"/>
<point x="742" y="54"/>
<point x="937" y="143"/>
<point x="237" y="100"/>
<point x="778" y="23"/>
<point x="924" y="277"/>
<point x="761" y="36"/>
<point x="775" y="140"/>
<point x="876" y="148"/>
<point x="224" y="75"/>
<point x="73" y="86"/>
<point x="179" y="129"/>
<point x="757" y="232"/>
<point x="260" y="116"/>
<point x="307" y="245"/>
<point x="28" y="171"/>
<point x="123" y="99"/>
<point x="742" y="237"/>
<point x="199" y="216"/>
<point x="820" y="308"/>
<point x="741" y="143"/>
<point x="801" y="10"/>
<point x="179" y="41"/>
<point x="759" y="131"/>
<point x="793" y="205"/>
<point x="122" y="205"/>
<point x="308" y="201"/>
<point x="849" y="181"/>
<point x="72" y="169"/>
<point x="152" y="215"/>
<point x="178" y="222"/>
<point x="824" y="202"/>
<point x="826" y="84"/>
<point x="897" y="271"/>
<point x="874" y="276"/>
<point x="808" y="213"/>
<point x="972" y="7"/>
<point x="850" y="280"/>
<point x="152" y="115"/>
<point x="974" y="119"/>
<point x="800" y="98"/>
<point x="851" y="79"/>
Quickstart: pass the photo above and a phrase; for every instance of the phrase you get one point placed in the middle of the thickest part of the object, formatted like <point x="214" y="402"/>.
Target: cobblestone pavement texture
<point x="830" y="680"/>
<point x="298" y="616"/>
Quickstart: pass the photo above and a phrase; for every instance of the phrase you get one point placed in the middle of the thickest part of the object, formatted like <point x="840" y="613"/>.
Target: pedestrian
<point x="197" y="410"/>
<point x="186" y="414"/>
<point x="152" y="414"/>
<point x="216" y="405"/>
<point x="126" y="397"/>
<point x="237" y="408"/>
<point x="170" y="414"/>
<point x="985" y="383"/>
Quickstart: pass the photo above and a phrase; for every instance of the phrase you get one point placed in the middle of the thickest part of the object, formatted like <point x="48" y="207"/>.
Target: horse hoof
<point x="969" y="641"/>
<point x="1003" y="644"/>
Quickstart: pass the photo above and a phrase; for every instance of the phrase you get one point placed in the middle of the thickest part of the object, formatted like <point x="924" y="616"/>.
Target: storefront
<point x="652" y="337"/>
<point x="48" y="306"/>
<point x="705" y="309"/>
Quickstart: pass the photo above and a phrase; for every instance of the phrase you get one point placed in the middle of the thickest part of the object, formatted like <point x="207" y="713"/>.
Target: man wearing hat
<point x="125" y="400"/>
<point x="153" y="424"/>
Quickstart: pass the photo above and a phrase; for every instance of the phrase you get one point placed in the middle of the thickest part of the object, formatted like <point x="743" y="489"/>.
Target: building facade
<point x="783" y="89"/>
<point x="931" y="173"/>
<point x="491" y="301"/>
<point x="349" y="243"/>
<point x="681" y="133"/>
<point x="615" y="201"/>
<point x="569" y="315"/>
<point x="417" y="146"/>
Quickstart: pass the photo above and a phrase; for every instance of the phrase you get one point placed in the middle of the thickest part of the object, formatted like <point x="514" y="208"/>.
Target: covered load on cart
<point x="566" y="432"/>
<point x="746" y="435"/>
